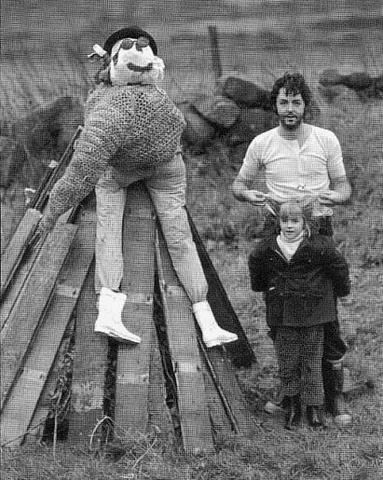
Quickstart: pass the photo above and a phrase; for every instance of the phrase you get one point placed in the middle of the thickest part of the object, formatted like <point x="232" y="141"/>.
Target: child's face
<point x="292" y="226"/>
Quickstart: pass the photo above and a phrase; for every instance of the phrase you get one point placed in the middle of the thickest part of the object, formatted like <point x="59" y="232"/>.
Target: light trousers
<point x="166" y="184"/>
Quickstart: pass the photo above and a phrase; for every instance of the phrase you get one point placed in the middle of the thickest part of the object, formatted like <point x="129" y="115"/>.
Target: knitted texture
<point x="126" y="127"/>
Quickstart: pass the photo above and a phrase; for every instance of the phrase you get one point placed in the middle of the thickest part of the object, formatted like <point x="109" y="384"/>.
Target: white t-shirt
<point x="291" y="170"/>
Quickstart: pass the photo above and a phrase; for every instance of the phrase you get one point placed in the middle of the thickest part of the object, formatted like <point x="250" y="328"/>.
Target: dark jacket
<point x="302" y="292"/>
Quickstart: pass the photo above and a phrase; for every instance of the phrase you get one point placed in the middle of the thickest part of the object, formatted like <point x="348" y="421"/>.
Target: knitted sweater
<point x="125" y="127"/>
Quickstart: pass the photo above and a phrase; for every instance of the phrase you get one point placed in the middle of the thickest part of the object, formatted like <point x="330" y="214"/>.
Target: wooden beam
<point x="20" y="272"/>
<point x="159" y="414"/>
<point x="18" y="411"/>
<point x="16" y="248"/>
<point x="40" y="415"/>
<point x="221" y="425"/>
<point x="133" y="361"/>
<point x="227" y="386"/>
<point x="24" y="320"/>
<point x="90" y="364"/>
<point x="182" y="336"/>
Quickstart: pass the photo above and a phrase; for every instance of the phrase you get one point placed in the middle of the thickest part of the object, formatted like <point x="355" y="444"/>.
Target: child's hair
<point x="297" y="208"/>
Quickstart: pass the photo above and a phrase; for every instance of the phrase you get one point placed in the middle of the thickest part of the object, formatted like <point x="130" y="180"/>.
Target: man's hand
<point x="255" y="197"/>
<point x="330" y="198"/>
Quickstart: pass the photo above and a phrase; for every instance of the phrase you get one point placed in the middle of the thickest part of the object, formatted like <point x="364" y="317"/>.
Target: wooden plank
<point x="40" y="415"/>
<point x="20" y="276"/>
<point x="240" y="351"/>
<point x="15" y="287"/>
<point x="221" y="425"/>
<point x="90" y="364"/>
<point x="16" y="247"/>
<point x="25" y="317"/>
<point x="18" y="411"/>
<point x="226" y="383"/>
<point x="133" y="361"/>
<point x="159" y="416"/>
<point x="38" y="423"/>
<point x="182" y="336"/>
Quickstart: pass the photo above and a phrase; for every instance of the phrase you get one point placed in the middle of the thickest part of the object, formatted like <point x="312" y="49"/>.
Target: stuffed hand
<point x="45" y="226"/>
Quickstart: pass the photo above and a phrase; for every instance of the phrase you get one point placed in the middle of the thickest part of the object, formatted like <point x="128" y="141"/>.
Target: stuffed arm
<point x="102" y="136"/>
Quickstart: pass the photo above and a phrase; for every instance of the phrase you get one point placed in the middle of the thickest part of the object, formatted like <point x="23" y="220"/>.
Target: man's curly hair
<point x="294" y="83"/>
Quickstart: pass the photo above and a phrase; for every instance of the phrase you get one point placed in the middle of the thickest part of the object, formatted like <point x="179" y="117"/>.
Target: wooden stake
<point x="216" y="60"/>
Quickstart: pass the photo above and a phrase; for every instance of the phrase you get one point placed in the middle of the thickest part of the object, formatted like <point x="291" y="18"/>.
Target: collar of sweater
<point x="289" y="247"/>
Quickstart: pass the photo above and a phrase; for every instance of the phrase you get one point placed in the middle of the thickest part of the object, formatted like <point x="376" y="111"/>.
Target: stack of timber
<point x="169" y="382"/>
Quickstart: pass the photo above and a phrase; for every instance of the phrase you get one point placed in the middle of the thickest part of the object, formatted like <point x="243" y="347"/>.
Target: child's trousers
<point x="166" y="184"/>
<point x="299" y="352"/>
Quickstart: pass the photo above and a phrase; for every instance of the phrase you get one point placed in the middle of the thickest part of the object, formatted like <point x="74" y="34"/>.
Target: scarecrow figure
<point x="132" y="132"/>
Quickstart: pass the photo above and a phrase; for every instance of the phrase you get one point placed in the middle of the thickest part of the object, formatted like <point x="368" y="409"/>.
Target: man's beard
<point x="291" y="126"/>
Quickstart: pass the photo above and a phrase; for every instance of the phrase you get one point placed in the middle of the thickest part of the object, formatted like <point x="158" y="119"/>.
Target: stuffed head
<point x="130" y="57"/>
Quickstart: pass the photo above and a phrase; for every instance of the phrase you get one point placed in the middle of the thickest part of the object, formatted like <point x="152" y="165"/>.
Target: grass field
<point x="43" y="47"/>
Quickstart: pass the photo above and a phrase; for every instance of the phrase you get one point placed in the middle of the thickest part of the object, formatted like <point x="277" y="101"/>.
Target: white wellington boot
<point x="212" y="333"/>
<point x="109" y="320"/>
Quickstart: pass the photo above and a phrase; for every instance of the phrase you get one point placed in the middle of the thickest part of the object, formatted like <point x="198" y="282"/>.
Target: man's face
<point x="290" y="109"/>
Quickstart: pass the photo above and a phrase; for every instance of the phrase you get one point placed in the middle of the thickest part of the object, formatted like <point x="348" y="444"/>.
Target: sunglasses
<point x="128" y="43"/>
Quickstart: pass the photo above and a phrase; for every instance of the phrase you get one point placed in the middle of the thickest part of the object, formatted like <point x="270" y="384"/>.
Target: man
<point x="301" y="160"/>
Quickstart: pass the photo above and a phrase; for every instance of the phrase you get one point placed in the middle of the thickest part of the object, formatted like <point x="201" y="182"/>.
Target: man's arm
<point x="340" y="193"/>
<point x="242" y="191"/>
<point x="241" y="187"/>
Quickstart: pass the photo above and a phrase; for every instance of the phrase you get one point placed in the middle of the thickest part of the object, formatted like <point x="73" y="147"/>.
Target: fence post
<point x="216" y="60"/>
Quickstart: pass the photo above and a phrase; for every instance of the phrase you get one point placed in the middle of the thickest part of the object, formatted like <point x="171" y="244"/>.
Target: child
<point x="132" y="132"/>
<point x="299" y="274"/>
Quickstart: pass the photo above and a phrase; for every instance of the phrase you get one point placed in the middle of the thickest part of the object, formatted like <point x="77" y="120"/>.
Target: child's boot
<point x="333" y="385"/>
<point x="109" y="320"/>
<point x="314" y="416"/>
<point x="212" y="333"/>
<point x="293" y="412"/>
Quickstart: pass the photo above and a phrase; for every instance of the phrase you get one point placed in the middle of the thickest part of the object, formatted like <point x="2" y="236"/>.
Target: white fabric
<point x="121" y="74"/>
<point x="289" y="247"/>
<point x="291" y="170"/>
<point x="212" y="333"/>
<point x="109" y="321"/>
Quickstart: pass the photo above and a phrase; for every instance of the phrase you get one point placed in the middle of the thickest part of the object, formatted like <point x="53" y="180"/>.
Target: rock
<point x="49" y="127"/>
<point x="12" y="158"/>
<point x="378" y="82"/>
<point x="198" y="131"/>
<point x="251" y="122"/>
<point x="217" y="109"/>
<point x="330" y="77"/>
<point x="356" y="81"/>
<point x="45" y="133"/>
<point x="244" y="93"/>
<point x="330" y="93"/>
